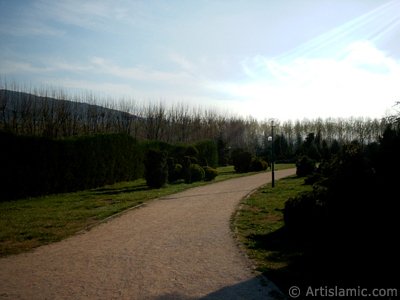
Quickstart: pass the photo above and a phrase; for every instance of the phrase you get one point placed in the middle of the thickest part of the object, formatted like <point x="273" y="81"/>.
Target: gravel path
<point x="178" y="247"/>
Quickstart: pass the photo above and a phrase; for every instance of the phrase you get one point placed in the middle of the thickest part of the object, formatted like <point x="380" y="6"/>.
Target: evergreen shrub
<point x="305" y="166"/>
<point x="210" y="173"/>
<point x="156" y="168"/>
<point x="258" y="164"/>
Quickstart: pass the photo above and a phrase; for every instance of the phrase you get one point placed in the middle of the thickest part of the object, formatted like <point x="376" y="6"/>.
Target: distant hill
<point x="27" y="113"/>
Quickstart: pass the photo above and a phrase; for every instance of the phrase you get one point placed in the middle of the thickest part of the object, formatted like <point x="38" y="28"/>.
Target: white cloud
<point x="20" y="67"/>
<point x="87" y="14"/>
<point x="364" y="82"/>
<point x="137" y="73"/>
<point x="182" y="62"/>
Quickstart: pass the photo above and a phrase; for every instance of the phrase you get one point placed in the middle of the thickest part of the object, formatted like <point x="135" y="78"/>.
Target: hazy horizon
<point x="286" y="60"/>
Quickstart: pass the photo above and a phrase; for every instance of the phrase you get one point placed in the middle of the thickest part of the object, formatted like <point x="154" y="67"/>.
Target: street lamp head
<point x="270" y="139"/>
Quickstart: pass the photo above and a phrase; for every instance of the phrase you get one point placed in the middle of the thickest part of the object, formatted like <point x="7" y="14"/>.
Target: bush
<point x="156" y="168"/>
<point x="191" y="151"/>
<point x="313" y="178"/>
<point x="175" y="170"/>
<point x="210" y="173"/>
<point x="305" y="166"/>
<point x="304" y="214"/>
<point x="241" y="161"/>
<point x="176" y="173"/>
<point x="187" y="160"/>
<point x="194" y="173"/>
<point x="178" y="169"/>
<point x="258" y="164"/>
<point x="208" y="153"/>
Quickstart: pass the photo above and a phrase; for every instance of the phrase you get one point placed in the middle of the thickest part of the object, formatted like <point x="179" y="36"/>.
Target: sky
<point x="289" y="59"/>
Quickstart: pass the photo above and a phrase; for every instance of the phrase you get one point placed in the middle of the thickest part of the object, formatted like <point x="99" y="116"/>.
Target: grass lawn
<point x="259" y="227"/>
<point x="32" y="222"/>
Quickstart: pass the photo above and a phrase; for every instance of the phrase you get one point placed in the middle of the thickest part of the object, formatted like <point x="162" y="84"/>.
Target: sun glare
<point x="335" y="74"/>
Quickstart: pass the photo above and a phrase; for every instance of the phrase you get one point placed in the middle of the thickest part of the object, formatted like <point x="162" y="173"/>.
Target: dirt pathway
<point x="178" y="247"/>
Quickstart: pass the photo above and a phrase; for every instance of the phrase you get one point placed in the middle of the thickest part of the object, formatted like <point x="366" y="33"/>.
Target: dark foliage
<point x="210" y="173"/>
<point x="191" y="151"/>
<point x="32" y="166"/>
<point x="304" y="214"/>
<point x="156" y="168"/>
<point x="258" y="164"/>
<point x="175" y="171"/>
<point x="350" y="218"/>
<point x="241" y="161"/>
<point x="305" y="166"/>
<point x="311" y="146"/>
<point x="207" y="153"/>
<point x="223" y="152"/>
<point x="194" y="173"/>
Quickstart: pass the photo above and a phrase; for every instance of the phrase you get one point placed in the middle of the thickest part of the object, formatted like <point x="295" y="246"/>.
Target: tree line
<point x="54" y="114"/>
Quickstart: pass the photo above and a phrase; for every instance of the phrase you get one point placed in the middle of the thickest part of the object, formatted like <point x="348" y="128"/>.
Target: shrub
<point x="178" y="153"/>
<point x="178" y="168"/>
<point x="305" y="166"/>
<point x="313" y="178"/>
<point x="187" y="160"/>
<point x="194" y="173"/>
<point x="303" y="214"/>
<point x="210" y="173"/>
<point x="191" y="151"/>
<point x="175" y="170"/>
<point x="156" y="168"/>
<point x="258" y="164"/>
<point x="208" y="153"/>
<point x="241" y="161"/>
<point x="176" y="173"/>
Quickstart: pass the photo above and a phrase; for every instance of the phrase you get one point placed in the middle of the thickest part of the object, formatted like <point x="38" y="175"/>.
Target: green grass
<point x="259" y="227"/>
<point x="29" y="223"/>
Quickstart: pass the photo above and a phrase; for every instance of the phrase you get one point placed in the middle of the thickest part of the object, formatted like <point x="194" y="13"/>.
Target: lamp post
<point x="271" y="138"/>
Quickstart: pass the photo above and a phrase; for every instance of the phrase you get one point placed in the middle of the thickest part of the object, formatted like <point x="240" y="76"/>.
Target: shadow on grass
<point x="319" y="262"/>
<point x="286" y="250"/>
<point x="255" y="288"/>
<point x="117" y="191"/>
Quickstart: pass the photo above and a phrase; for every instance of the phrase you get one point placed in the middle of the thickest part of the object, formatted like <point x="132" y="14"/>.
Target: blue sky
<point x="286" y="59"/>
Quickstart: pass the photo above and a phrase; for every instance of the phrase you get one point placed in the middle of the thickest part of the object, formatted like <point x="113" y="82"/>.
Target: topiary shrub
<point x="210" y="173"/>
<point x="156" y="168"/>
<point x="194" y="173"/>
<point x="208" y="153"/>
<point x="304" y="214"/>
<point x="305" y="166"/>
<point x="178" y="171"/>
<point x="258" y="164"/>
<point x="242" y="161"/>
<point x="175" y="170"/>
<point x="187" y="160"/>
<point x="191" y="151"/>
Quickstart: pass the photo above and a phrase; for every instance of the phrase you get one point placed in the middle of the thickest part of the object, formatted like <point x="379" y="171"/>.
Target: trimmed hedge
<point x="207" y="153"/>
<point x="210" y="173"/>
<point x="241" y="161"/>
<point x="195" y="173"/>
<point x="156" y="168"/>
<point x="258" y="164"/>
<point x="33" y="166"/>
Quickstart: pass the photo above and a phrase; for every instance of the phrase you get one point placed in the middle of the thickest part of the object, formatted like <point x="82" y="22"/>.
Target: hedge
<point x="156" y="168"/>
<point x="32" y="166"/>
